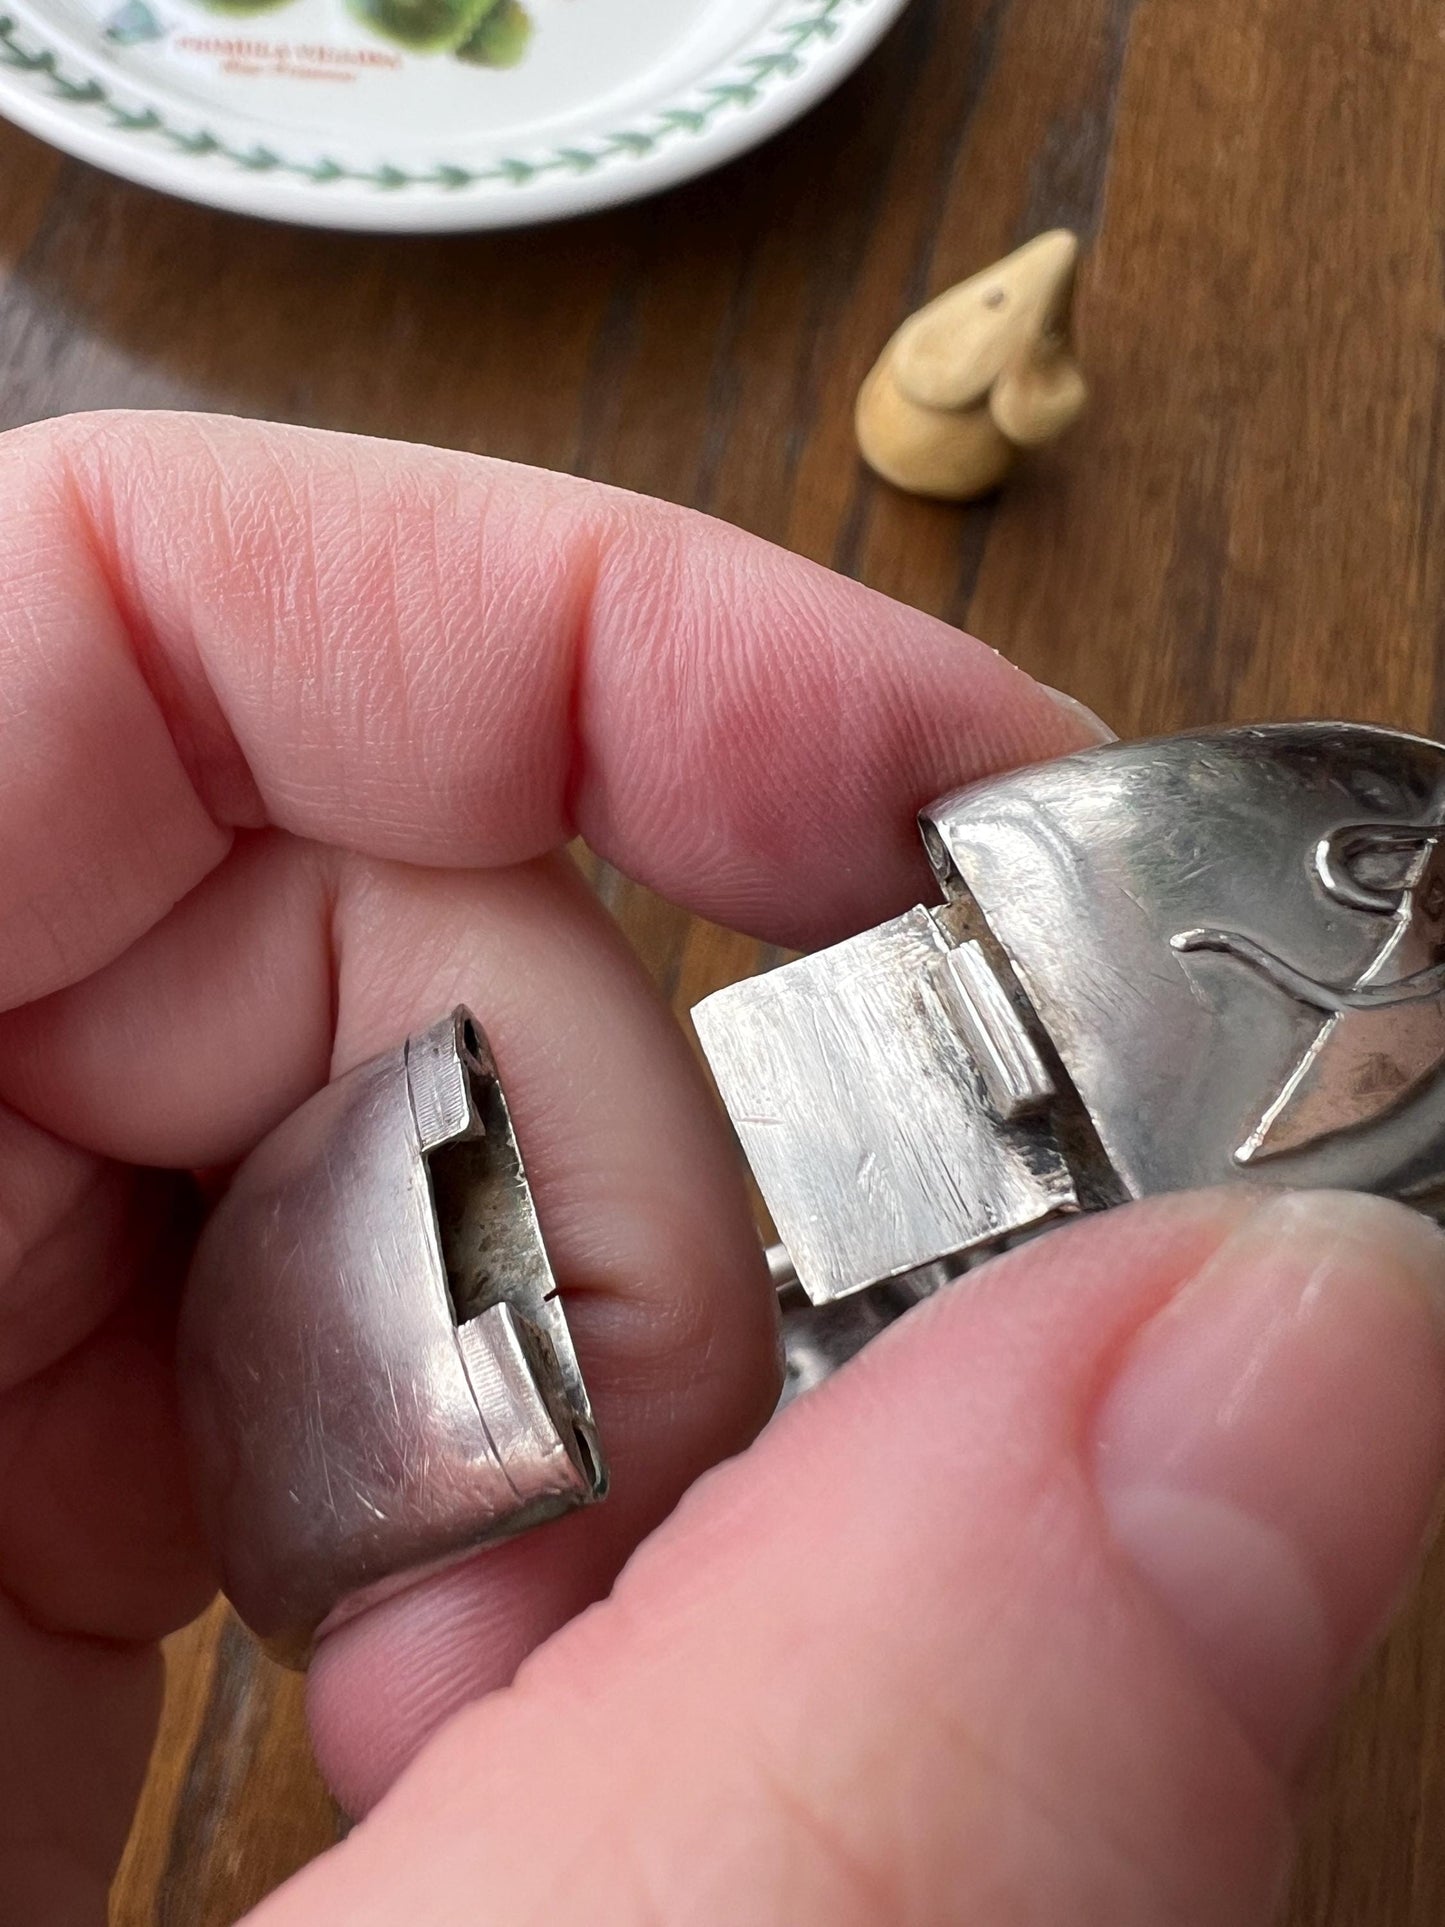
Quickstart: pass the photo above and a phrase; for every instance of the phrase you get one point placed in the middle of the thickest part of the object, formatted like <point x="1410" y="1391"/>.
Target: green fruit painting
<point x="488" y="33"/>
<point x="501" y="39"/>
<point x="236" y="8"/>
<point x="483" y="33"/>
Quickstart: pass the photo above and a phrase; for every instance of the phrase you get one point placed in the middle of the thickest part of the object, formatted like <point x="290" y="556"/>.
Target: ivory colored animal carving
<point x="983" y="371"/>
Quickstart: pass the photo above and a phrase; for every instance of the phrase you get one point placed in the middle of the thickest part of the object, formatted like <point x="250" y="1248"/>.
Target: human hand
<point x="1030" y="1615"/>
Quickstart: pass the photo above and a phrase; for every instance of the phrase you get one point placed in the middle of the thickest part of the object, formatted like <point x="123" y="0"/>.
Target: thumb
<point x="1030" y="1615"/>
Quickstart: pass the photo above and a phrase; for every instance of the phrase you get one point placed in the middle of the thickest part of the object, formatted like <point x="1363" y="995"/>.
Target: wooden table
<point x="1250" y="521"/>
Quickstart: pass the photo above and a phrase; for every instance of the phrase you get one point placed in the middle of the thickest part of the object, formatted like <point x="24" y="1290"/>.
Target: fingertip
<point x="763" y="753"/>
<point x="1271" y="1450"/>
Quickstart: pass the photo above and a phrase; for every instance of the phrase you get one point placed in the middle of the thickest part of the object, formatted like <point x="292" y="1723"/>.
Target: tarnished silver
<point x="376" y="1372"/>
<point x="817" y="1339"/>
<point x="1184" y="962"/>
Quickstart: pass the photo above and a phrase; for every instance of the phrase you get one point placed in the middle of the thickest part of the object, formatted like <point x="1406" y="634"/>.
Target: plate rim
<point x="812" y="46"/>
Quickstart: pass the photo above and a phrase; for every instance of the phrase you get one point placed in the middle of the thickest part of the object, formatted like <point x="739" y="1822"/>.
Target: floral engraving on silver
<point x="1199" y="960"/>
<point x="376" y="1372"/>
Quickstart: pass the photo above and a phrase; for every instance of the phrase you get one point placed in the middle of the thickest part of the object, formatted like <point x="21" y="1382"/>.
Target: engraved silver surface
<point x="1224" y="954"/>
<point x="376" y="1371"/>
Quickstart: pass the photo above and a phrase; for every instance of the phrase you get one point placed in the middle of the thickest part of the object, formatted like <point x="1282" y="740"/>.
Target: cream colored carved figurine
<point x="982" y="372"/>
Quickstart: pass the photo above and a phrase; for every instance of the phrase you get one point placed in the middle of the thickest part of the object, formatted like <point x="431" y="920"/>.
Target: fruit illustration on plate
<point x="502" y="37"/>
<point x="485" y="33"/>
<point x="237" y="8"/>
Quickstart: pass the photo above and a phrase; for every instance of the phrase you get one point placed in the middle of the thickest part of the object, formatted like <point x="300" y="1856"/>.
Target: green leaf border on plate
<point x="743" y="88"/>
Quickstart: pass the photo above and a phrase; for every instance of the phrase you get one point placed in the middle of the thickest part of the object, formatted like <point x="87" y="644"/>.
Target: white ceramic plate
<point x="410" y="114"/>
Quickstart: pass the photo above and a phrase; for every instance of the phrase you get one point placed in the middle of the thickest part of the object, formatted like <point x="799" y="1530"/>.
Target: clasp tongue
<point x="891" y="1101"/>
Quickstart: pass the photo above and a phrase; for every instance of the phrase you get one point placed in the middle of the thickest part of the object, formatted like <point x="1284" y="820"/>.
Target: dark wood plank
<point x="234" y="1802"/>
<point x="1248" y="522"/>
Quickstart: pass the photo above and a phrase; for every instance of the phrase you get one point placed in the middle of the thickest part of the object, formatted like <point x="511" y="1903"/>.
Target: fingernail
<point x="1095" y="725"/>
<point x="1269" y="1453"/>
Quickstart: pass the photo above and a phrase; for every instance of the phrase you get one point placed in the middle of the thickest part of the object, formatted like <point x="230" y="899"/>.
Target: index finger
<point x="207" y="623"/>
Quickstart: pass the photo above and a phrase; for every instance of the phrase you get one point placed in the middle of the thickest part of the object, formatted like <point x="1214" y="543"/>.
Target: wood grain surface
<point x="1249" y="522"/>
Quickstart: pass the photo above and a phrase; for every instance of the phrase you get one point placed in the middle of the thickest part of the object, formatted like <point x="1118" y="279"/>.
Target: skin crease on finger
<point x="251" y="677"/>
<point x="446" y="660"/>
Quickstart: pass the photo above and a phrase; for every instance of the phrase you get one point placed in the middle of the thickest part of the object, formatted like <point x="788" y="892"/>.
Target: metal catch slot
<point x="511" y="1328"/>
<point x="490" y="1243"/>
